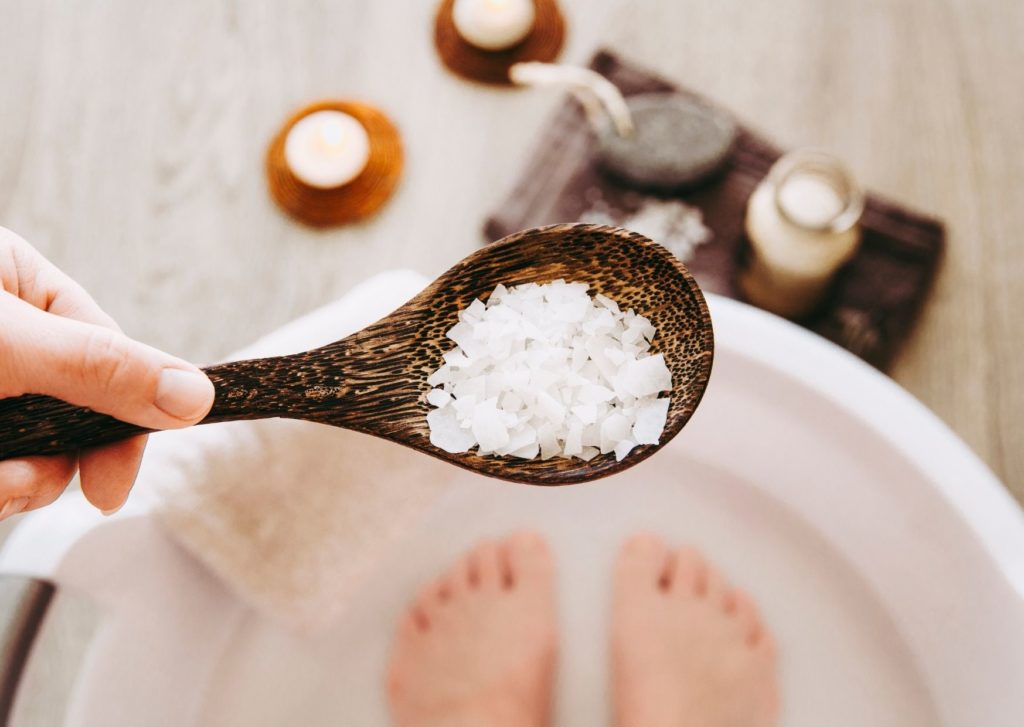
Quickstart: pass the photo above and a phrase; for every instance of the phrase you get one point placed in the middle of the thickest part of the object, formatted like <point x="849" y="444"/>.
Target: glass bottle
<point x="803" y="224"/>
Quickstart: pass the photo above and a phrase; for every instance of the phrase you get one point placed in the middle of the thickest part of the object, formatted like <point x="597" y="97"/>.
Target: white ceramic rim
<point x="958" y="475"/>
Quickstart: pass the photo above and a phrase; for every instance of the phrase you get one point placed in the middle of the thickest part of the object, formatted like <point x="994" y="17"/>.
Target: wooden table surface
<point x="132" y="136"/>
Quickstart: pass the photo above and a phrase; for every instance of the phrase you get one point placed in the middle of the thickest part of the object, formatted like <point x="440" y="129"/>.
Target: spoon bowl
<point x="375" y="380"/>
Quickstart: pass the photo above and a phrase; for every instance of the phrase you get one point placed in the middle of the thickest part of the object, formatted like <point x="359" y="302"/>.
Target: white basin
<point x="886" y="557"/>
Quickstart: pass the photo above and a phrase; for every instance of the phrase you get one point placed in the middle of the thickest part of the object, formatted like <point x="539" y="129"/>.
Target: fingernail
<point x="112" y="510"/>
<point x="13" y="507"/>
<point x="183" y="394"/>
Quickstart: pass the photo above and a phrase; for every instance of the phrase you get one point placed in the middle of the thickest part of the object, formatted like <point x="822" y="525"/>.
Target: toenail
<point x="529" y="538"/>
<point x="534" y="537"/>
<point x="689" y="554"/>
<point x="700" y="584"/>
<point x="643" y="542"/>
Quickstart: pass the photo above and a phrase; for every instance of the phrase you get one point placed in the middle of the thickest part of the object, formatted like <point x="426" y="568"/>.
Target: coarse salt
<point x="546" y="370"/>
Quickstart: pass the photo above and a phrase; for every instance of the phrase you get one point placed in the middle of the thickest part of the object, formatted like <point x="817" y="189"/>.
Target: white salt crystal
<point x="441" y="376"/>
<point x="614" y="429"/>
<point x="615" y="355"/>
<point x="464" y="406"/>
<point x="456" y="358"/>
<point x="589" y="453"/>
<point x="643" y="377"/>
<point x="596" y="347"/>
<point x="607" y="302"/>
<point x="497" y="294"/>
<point x="633" y="334"/>
<point x="586" y="413"/>
<point x="548" y="443"/>
<point x="623" y="448"/>
<point x="445" y="432"/>
<point x="517" y="380"/>
<point x="573" y="439"/>
<point x="595" y="393"/>
<point x="438" y="398"/>
<point x="475" y="385"/>
<point x="542" y="379"/>
<point x="511" y="401"/>
<point x="488" y="427"/>
<point x="528" y="452"/>
<point x="579" y="356"/>
<point x="650" y="421"/>
<point x="590" y="371"/>
<point x="519" y="439"/>
<point x="497" y="347"/>
<point x="460" y="332"/>
<point x="547" y="370"/>
<point x="550" y="408"/>
<point x="648" y="330"/>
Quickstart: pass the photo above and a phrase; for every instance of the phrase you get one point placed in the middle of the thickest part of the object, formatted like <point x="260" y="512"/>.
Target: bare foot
<point x="478" y="646"/>
<point x="687" y="648"/>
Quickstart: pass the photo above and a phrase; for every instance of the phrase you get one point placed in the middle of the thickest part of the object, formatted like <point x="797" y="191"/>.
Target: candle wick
<point x="601" y="99"/>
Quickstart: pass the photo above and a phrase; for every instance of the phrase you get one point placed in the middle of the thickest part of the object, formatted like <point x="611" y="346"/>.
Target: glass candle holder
<point x="803" y="224"/>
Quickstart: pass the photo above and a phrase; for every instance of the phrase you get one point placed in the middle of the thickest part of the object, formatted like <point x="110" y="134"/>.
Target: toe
<point x="717" y="587"/>
<point x="745" y="612"/>
<point x="485" y="568"/>
<point x="764" y="643"/>
<point x="396" y="680"/>
<point x="420" y="618"/>
<point x="444" y="589"/>
<point x="410" y="626"/>
<point x="689" y="572"/>
<point x="424" y="608"/>
<point x="525" y="557"/>
<point x="464" y="573"/>
<point x="644" y="561"/>
<point x="432" y="597"/>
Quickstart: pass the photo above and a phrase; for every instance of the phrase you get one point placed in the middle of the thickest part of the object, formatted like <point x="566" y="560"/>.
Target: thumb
<point x="97" y="367"/>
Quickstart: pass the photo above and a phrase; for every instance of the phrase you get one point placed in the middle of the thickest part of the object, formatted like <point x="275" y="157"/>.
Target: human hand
<point x="55" y="340"/>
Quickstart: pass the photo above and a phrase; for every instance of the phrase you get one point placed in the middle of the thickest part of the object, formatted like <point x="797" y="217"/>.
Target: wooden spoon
<point x="375" y="381"/>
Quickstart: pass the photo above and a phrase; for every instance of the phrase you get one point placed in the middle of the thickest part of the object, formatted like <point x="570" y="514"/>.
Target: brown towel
<point x="876" y="297"/>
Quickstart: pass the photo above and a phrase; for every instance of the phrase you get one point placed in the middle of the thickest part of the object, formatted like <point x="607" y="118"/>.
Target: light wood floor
<point x="132" y="135"/>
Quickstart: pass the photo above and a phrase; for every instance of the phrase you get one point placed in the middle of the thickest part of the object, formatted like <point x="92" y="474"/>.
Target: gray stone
<point x="676" y="143"/>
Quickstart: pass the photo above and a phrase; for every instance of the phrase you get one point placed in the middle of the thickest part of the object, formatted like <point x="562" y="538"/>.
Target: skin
<point x="478" y="646"/>
<point x="687" y="647"/>
<point x="55" y="340"/>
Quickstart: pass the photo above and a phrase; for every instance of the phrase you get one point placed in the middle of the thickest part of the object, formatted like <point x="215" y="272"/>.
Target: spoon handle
<point x="34" y="424"/>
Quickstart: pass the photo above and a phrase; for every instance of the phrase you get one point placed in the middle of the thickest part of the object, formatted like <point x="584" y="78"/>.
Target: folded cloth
<point x="875" y="300"/>
<point x="293" y="516"/>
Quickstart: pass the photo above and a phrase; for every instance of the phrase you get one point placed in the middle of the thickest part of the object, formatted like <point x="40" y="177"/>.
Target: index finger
<point x="25" y="273"/>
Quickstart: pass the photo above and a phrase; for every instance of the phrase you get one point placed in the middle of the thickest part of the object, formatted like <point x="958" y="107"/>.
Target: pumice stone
<point x="676" y="143"/>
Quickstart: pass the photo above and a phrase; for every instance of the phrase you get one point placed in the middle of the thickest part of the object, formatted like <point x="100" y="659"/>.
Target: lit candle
<point x="803" y="224"/>
<point x="493" y="24"/>
<point x="327" y="149"/>
<point x="810" y="201"/>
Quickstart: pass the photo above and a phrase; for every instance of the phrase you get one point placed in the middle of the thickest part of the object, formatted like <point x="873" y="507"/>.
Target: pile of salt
<point x="547" y="370"/>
